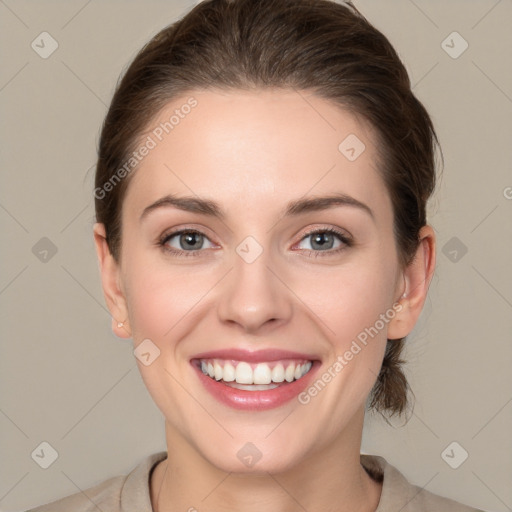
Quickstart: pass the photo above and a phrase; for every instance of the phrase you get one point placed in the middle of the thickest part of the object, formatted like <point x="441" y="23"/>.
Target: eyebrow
<point x="293" y="208"/>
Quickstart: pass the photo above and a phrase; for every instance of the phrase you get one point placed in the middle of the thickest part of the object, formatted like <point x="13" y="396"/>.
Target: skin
<point x="253" y="152"/>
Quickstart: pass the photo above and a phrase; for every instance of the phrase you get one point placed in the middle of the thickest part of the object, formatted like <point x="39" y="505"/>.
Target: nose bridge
<point x="253" y="296"/>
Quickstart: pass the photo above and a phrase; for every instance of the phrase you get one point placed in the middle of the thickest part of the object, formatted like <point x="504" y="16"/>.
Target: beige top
<point x="130" y="493"/>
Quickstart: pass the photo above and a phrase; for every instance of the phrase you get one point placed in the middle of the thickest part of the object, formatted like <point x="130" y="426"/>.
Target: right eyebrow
<point x="186" y="203"/>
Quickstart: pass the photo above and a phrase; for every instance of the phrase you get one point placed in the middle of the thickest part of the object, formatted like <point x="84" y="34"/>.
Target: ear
<point x="417" y="277"/>
<point x="110" y="280"/>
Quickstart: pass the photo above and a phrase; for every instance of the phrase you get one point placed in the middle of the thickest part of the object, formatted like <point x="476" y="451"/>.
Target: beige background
<point x="65" y="378"/>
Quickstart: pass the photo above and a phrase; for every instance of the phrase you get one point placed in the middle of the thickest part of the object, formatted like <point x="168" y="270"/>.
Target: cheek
<point x="354" y="304"/>
<point x="157" y="301"/>
<point x="160" y="303"/>
<point x="166" y="300"/>
<point x="350" y="298"/>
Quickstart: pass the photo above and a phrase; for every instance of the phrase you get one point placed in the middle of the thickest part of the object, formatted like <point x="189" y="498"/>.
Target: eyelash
<point x="347" y="242"/>
<point x="342" y="237"/>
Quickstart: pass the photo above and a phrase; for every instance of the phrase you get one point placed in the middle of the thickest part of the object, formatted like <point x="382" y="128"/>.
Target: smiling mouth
<point x="254" y="376"/>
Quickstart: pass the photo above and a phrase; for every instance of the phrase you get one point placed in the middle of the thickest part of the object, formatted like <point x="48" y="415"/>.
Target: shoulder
<point x="399" y="494"/>
<point x="106" y="496"/>
<point x="126" y="492"/>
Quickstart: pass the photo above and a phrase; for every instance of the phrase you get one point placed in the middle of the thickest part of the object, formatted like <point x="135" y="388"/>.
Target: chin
<point x="254" y="457"/>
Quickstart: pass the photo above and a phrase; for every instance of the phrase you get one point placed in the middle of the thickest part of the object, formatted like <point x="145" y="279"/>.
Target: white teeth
<point x="289" y="374"/>
<point x="278" y="373"/>
<point x="262" y="377"/>
<point x="229" y="373"/>
<point x="252" y="387"/>
<point x="244" y="373"/>
<point x="262" y="374"/>
<point x="218" y="371"/>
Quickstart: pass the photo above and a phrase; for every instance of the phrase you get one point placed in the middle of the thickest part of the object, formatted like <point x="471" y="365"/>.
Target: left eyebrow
<point x="293" y="208"/>
<point x="314" y="204"/>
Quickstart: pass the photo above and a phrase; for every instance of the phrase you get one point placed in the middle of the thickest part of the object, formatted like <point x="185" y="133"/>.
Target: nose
<point x="254" y="296"/>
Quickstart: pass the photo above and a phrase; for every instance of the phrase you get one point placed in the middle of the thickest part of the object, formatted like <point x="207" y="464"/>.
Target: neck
<point x="330" y="479"/>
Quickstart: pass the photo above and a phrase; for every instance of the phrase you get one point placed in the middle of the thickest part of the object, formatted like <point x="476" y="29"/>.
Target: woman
<point x="261" y="190"/>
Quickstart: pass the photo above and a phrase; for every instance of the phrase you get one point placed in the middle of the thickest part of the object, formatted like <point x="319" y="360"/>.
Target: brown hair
<point x="316" y="45"/>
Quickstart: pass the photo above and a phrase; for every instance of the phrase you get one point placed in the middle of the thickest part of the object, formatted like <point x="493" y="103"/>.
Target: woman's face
<point x="261" y="289"/>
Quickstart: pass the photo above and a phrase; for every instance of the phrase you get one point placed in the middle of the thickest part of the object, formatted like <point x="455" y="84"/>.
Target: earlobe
<point x="417" y="277"/>
<point x="110" y="278"/>
<point x="121" y="329"/>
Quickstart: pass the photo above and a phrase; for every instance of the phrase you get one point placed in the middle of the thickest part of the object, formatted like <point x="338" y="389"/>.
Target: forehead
<point x="254" y="150"/>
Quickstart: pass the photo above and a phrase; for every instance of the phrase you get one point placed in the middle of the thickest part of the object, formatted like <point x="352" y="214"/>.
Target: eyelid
<point x="344" y="237"/>
<point x="167" y="235"/>
<point x="180" y="229"/>
<point x="339" y="231"/>
<point x="203" y="230"/>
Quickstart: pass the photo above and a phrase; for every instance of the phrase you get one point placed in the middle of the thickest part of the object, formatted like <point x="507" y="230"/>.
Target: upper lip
<point x="257" y="356"/>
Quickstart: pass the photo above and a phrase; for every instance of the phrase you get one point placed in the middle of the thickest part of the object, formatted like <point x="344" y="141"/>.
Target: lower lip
<point x="255" y="400"/>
